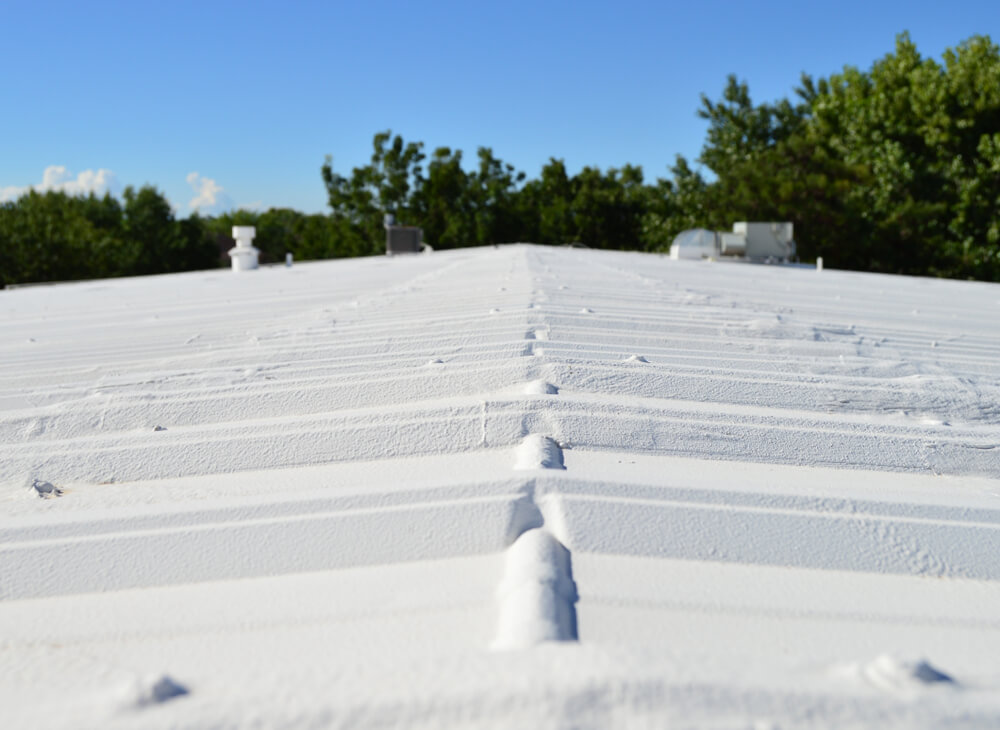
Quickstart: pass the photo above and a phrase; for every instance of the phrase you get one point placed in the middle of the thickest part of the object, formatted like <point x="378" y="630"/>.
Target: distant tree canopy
<point x="53" y="236"/>
<point x="894" y="169"/>
<point x="491" y="204"/>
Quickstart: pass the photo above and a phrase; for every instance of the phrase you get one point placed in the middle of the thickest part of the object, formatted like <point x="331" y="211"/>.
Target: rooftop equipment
<point x="401" y="239"/>
<point x="244" y="254"/>
<point x="747" y="242"/>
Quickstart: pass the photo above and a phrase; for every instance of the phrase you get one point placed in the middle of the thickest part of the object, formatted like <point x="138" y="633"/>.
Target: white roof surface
<point x="742" y="496"/>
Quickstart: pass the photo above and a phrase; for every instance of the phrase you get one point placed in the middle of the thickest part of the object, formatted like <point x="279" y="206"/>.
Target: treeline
<point x="893" y="169"/>
<point x="493" y="203"/>
<point x="53" y="236"/>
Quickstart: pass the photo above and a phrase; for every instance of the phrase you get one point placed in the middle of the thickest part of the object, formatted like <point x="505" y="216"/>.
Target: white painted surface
<point x="780" y="496"/>
<point x="244" y="255"/>
<point x="537" y="594"/>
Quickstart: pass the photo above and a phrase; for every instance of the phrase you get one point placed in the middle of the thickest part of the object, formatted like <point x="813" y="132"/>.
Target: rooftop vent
<point x="244" y="254"/>
<point x="401" y="239"/>
<point x="748" y="241"/>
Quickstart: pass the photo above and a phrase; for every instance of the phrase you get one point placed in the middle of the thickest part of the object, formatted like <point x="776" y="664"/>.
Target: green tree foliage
<point x="389" y="185"/>
<point x="46" y="236"/>
<point x="607" y="208"/>
<point x="443" y="201"/>
<point x="281" y="231"/>
<point x="490" y="204"/>
<point x="676" y="205"/>
<point x="494" y="191"/>
<point x="53" y="236"/>
<point x="547" y="203"/>
<point x="150" y="229"/>
<point x="893" y="169"/>
<point x="157" y="242"/>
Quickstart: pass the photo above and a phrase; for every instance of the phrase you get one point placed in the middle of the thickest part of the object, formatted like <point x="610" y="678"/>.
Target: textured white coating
<point x="776" y="494"/>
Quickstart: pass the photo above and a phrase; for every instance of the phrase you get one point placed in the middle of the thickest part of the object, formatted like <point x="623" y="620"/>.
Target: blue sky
<point x="225" y="104"/>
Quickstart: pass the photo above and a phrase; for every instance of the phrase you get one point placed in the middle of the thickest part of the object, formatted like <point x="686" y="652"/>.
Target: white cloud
<point x="210" y="197"/>
<point x="57" y="177"/>
<point x="11" y="192"/>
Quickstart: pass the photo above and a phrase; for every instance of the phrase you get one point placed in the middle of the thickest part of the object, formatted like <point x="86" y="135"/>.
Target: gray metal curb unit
<point x="401" y="239"/>
<point x="770" y="241"/>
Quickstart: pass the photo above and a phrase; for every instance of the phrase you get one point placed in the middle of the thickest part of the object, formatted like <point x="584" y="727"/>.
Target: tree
<point x="493" y="191"/>
<point x="45" y="237"/>
<point x="198" y="249"/>
<point x="151" y="230"/>
<point x="546" y="205"/>
<point x="388" y="185"/>
<point x="676" y="205"/>
<point x="892" y="169"/>
<point x="443" y="206"/>
<point x="607" y="209"/>
<point x="53" y="236"/>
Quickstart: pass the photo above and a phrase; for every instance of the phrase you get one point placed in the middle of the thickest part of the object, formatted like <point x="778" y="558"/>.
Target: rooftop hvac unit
<point x="732" y="244"/>
<point x="767" y="240"/>
<point x="748" y="241"/>
<point x="402" y="239"/>
<point x="696" y="243"/>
